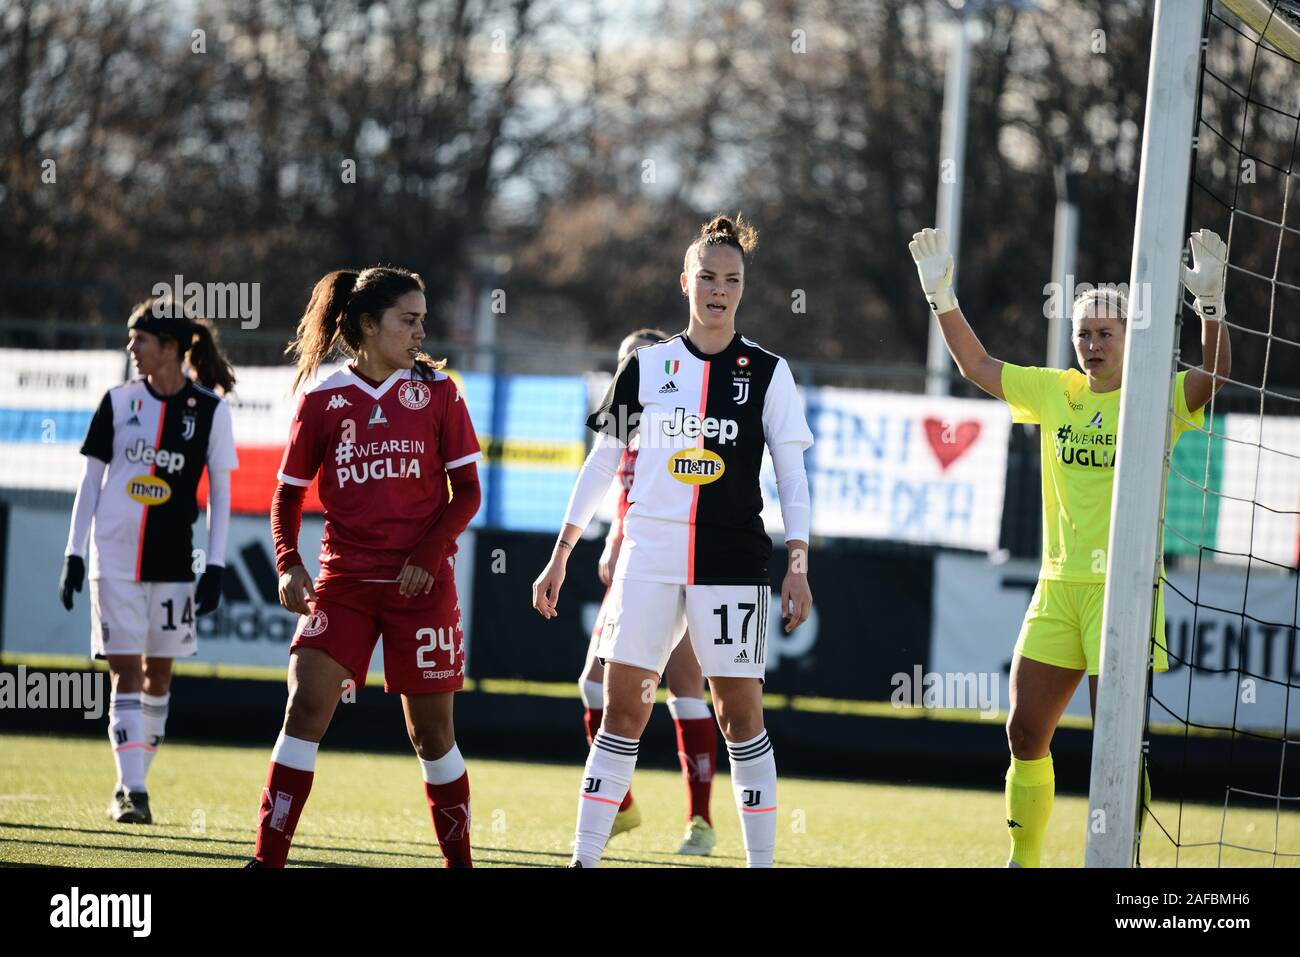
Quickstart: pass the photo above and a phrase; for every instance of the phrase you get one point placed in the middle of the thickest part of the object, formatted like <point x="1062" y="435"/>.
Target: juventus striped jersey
<point x="156" y="448"/>
<point x="701" y="421"/>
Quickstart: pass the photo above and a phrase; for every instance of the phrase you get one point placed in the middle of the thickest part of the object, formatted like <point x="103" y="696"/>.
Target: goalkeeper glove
<point x="207" y="594"/>
<point x="929" y="249"/>
<point x="1208" y="275"/>
<point x="72" y="578"/>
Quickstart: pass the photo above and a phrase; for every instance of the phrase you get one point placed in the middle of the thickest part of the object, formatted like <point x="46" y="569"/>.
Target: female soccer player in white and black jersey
<point x="146" y="450"/>
<point x="697" y="738"/>
<point x="695" y="553"/>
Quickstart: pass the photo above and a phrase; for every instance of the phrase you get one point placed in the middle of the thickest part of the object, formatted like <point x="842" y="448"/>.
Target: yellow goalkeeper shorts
<point x="1063" y="626"/>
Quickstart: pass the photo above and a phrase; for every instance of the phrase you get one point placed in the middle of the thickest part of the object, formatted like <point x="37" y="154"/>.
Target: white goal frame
<point x="1132" y="552"/>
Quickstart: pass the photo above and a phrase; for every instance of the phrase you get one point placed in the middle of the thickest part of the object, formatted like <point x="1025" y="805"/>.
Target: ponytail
<point x="193" y="335"/>
<point x="211" y="367"/>
<point x="333" y="317"/>
<point x="321" y="325"/>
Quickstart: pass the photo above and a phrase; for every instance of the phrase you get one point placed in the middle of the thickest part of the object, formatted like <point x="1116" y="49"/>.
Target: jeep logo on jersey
<point x="696" y="466"/>
<point x="690" y="425"/>
<point x="147" y="455"/>
<point x="414" y="395"/>
<point x="148" y="489"/>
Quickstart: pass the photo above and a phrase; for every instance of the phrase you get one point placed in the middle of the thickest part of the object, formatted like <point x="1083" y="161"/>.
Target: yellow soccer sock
<point x="1031" y="785"/>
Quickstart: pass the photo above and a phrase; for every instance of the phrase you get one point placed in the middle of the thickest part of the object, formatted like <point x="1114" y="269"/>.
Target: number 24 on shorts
<point x="431" y="639"/>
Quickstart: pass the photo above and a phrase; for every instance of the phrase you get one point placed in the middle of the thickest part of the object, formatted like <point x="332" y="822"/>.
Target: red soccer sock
<point x="449" y="805"/>
<point x="697" y="750"/>
<point x="591" y="721"/>
<point x="283" y="799"/>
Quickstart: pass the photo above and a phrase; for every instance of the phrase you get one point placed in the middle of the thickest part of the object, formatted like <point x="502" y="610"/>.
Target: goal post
<point x="1132" y="551"/>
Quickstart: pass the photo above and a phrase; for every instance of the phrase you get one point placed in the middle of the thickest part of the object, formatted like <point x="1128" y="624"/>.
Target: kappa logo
<point x="457" y="818"/>
<point x="414" y="395"/>
<point x="377" y="417"/>
<point x="337" y="402"/>
<point x="1096" y="422"/>
<point x="668" y="386"/>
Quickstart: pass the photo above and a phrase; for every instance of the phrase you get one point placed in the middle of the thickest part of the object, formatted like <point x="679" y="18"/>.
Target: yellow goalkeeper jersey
<point x="1078" y="445"/>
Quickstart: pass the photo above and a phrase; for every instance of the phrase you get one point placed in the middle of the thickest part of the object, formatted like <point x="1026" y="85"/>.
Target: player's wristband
<point x="943" y="301"/>
<point x="1210" y="308"/>
<point x="561" y="543"/>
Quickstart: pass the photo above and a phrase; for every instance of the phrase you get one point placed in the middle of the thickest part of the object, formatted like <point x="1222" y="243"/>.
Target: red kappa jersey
<point x="381" y="454"/>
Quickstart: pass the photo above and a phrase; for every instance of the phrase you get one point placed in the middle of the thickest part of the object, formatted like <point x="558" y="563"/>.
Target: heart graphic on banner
<point x="949" y="441"/>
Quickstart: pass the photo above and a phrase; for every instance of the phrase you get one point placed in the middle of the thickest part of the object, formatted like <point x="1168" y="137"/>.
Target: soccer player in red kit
<point x="383" y="436"/>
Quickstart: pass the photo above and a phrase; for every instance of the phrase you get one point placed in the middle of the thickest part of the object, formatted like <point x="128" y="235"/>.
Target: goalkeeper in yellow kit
<point x="1078" y="415"/>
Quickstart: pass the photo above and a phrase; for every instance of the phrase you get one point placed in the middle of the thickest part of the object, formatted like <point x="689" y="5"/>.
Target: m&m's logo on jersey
<point x="696" y="466"/>
<point x="414" y="395"/>
<point x="148" y="490"/>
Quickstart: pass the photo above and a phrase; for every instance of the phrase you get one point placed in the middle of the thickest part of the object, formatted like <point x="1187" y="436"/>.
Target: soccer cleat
<point x="1012" y="864"/>
<point x="626" y="820"/>
<point x="130" y="808"/>
<point x="253" y="865"/>
<point x="700" y="838"/>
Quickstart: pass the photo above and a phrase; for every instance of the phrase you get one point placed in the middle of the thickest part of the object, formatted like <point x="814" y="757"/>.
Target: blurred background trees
<point x="566" y="154"/>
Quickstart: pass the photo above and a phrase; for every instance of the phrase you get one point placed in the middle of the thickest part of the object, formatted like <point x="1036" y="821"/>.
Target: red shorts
<point x="424" y="646"/>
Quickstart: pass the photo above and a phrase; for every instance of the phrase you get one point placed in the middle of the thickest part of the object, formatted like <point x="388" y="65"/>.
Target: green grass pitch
<point x="369" y="811"/>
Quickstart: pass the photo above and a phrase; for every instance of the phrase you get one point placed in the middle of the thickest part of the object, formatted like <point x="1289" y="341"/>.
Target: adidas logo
<point x="336" y="402"/>
<point x="134" y="420"/>
<point x="668" y="387"/>
<point x="742" y="658"/>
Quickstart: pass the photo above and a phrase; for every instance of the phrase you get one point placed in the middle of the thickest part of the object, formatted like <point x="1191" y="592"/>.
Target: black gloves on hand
<point x="73" y="577"/>
<point x="207" y="594"/>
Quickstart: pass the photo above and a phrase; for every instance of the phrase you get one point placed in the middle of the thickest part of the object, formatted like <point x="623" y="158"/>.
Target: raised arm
<point x="929" y="249"/>
<point x="1206" y="280"/>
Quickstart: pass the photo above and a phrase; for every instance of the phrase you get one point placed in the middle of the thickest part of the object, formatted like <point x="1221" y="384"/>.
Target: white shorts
<point x="728" y="626"/>
<point x="142" y="618"/>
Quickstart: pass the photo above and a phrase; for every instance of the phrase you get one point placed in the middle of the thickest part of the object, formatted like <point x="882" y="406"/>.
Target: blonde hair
<point x="1098" y="302"/>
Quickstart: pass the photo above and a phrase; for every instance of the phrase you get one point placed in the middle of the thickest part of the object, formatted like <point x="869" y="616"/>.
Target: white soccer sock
<point x="688" y="709"/>
<point x="445" y="769"/>
<point x="126" y="735"/>
<point x="593" y="694"/>
<point x="753" y="779"/>
<point x="154" y="708"/>
<point x="606" y="778"/>
<point x="295" y="753"/>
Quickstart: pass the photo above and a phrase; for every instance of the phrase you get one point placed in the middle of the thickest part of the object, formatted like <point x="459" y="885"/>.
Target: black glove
<point x="207" y="595"/>
<point x="74" y="575"/>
